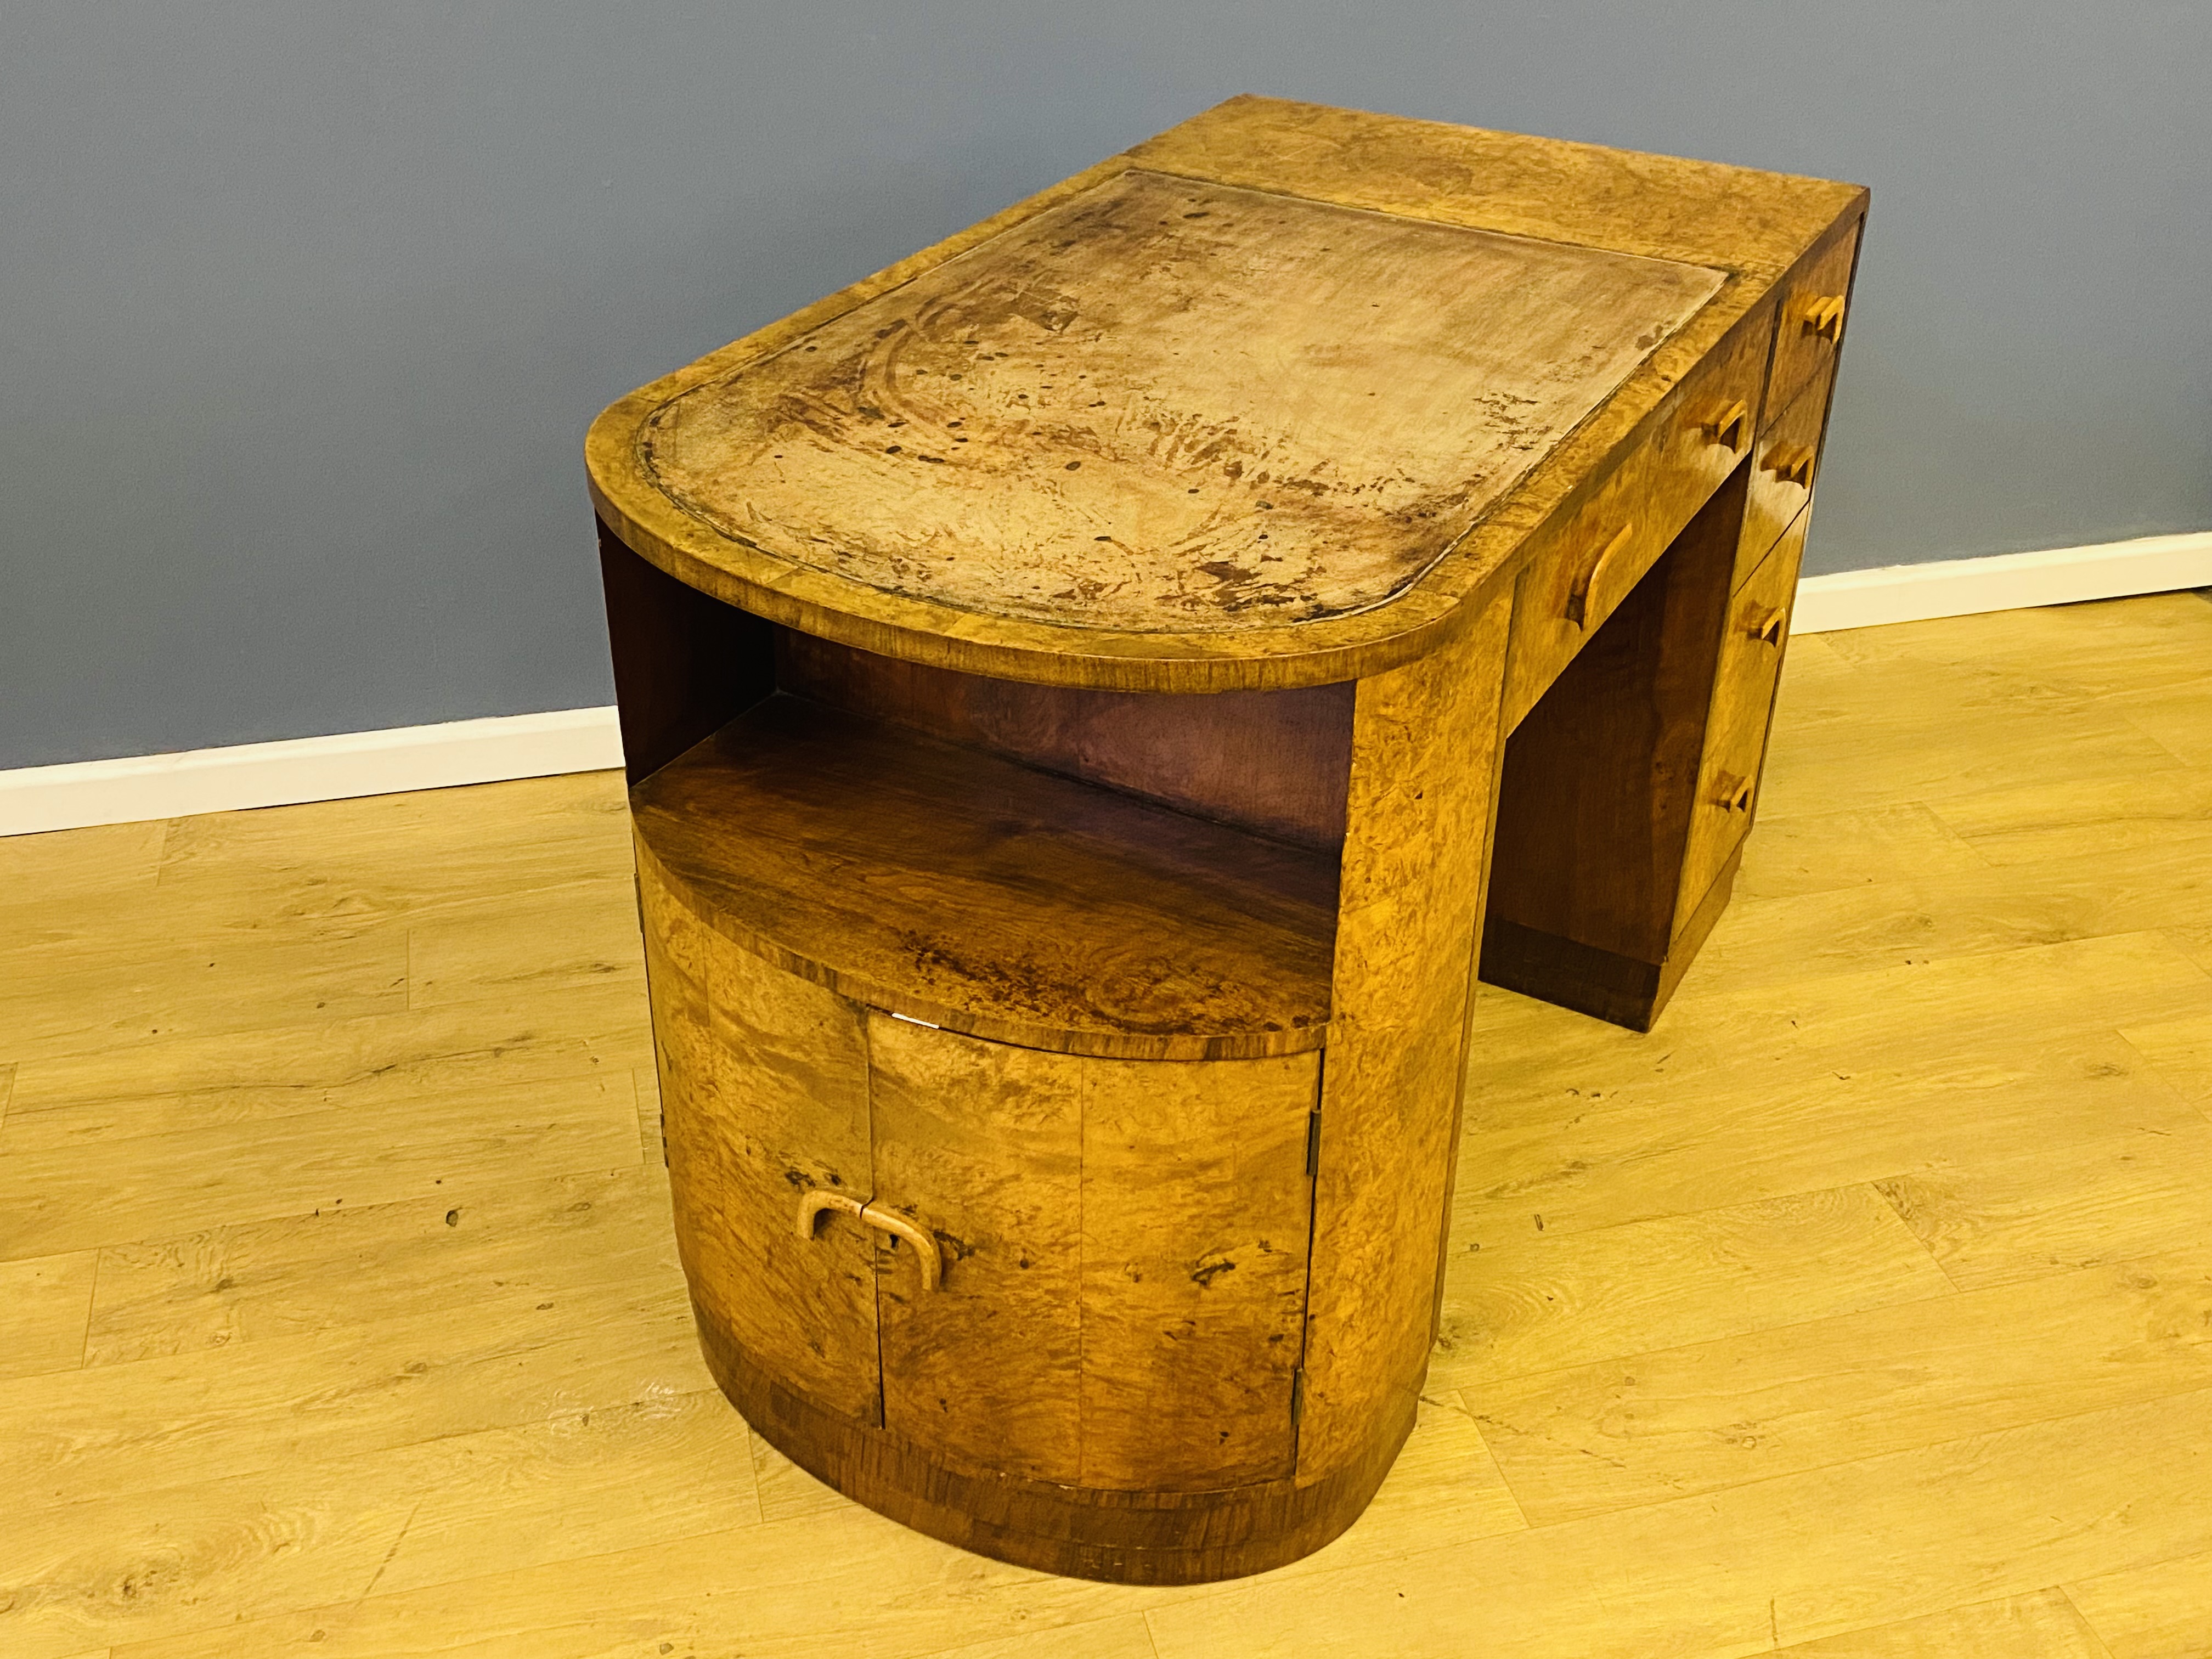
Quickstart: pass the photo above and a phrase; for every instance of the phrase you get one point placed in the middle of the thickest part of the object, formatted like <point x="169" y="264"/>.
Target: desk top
<point x="1262" y="402"/>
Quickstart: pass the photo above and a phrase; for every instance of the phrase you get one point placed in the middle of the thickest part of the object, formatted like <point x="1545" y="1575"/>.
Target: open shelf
<point x="968" y="891"/>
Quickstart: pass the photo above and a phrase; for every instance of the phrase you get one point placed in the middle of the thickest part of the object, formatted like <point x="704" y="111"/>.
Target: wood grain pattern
<point x="1126" y="1264"/>
<point x="1645" y="1429"/>
<point x="1194" y="1187"/>
<point x="1274" y="762"/>
<point x="764" y="1082"/>
<point x="1417" y="178"/>
<point x="975" y="894"/>
<point x="1426" y="741"/>
<point x="1168" y="406"/>
<point x="2162" y="1610"/>
<point x="46" y="1306"/>
<point x="981" y="1142"/>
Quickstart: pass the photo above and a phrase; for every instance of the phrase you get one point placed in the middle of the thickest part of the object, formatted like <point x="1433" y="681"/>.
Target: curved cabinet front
<point x="1099" y="1372"/>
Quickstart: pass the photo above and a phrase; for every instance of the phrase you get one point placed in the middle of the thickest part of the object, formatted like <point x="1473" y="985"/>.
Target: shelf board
<point x="956" y="887"/>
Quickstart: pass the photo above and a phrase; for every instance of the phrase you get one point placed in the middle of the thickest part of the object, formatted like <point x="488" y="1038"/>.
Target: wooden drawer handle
<point x="1792" y="464"/>
<point x="1579" y="601"/>
<point x="1732" y="794"/>
<point x="1731" y="427"/>
<point x="1765" y="625"/>
<point x="1824" y="317"/>
<point x="816" y="1199"/>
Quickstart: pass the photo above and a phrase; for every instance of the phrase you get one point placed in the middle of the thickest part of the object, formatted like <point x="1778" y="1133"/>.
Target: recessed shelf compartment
<point x="956" y="886"/>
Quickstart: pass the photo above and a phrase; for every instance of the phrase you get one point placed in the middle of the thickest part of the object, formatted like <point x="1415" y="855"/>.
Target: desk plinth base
<point x="1603" y="984"/>
<point x="1120" y="1537"/>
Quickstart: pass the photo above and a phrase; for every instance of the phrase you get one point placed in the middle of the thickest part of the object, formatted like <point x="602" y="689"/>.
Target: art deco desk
<point x="1081" y="686"/>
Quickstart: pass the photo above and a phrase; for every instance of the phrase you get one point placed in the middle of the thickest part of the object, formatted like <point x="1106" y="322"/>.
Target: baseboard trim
<point x="35" y="798"/>
<point x="2005" y="581"/>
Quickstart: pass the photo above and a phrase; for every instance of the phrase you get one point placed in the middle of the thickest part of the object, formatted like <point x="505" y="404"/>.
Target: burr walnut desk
<point x="1081" y="686"/>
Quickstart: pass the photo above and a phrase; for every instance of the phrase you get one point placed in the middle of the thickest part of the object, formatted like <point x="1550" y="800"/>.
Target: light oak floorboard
<point x="2115" y="646"/>
<point x="342" y="1269"/>
<point x="2004" y="1218"/>
<point x="2119" y="890"/>
<point x="2177" y="717"/>
<point x="1518" y="1300"/>
<point x="45" y="1303"/>
<point x="1915" y="730"/>
<point x="142" y="1565"/>
<point x="2082" y="819"/>
<point x="179" y="1419"/>
<point x="58" y="1200"/>
<point x="361" y="1067"/>
<point x="2162" y="1611"/>
<point x="2043" y="1625"/>
<point x="1728" y="1131"/>
<point x="1830" y="851"/>
<point x="2180" y="1051"/>
<point x="1792" y="1560"/>
<point x="518" y="950"/>
<point x="1660" y="1425"/>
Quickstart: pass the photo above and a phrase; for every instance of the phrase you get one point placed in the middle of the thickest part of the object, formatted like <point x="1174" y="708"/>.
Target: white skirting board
<point x="2004" y="581"/>
<point x="39" y="798"/>
<point x="42" y="798"/>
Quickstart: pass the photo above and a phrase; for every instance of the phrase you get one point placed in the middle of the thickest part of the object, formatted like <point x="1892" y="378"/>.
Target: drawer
<point x="1582" y="566"/>
<point x="1735" y="724"/>
<point x="1781" y="467"/>
<point x="1812" y="322"/>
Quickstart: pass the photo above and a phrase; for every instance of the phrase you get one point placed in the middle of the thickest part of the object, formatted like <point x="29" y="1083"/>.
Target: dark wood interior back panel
<point x="1595" y="802"/>
<point x="1275" y="762"/>
<point x="684" y="663"/>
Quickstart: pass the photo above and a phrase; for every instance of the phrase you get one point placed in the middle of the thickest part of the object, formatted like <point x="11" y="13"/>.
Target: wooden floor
<point x="1864" y="1310"/>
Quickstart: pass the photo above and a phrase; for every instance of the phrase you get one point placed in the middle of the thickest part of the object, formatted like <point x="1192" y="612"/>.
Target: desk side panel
<point x="1423" y="764"/>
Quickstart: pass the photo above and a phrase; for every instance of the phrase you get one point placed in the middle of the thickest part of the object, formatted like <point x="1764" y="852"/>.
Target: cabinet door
<point x="1124" y="1246"/>
<point x="764" y="1096"/>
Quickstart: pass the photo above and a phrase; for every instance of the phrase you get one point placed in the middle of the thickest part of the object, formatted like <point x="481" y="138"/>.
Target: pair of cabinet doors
<point x="1122" y="1243"/>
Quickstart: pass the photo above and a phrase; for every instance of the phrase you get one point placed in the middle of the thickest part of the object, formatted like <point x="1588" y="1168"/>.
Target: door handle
<point x="1732" y="794"/>
<point x="1824" y="317"/>
<point x="1765" y="626"/>
<point x="816" y="1199"/>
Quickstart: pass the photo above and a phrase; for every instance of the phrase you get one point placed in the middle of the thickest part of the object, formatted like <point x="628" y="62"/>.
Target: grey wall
<point x="304" y="309"/>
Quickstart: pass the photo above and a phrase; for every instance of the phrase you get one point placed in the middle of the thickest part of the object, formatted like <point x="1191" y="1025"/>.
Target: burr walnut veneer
<point x="1094" y="694"/>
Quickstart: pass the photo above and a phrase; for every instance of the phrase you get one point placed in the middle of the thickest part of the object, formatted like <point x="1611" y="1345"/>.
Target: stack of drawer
<point x="1778" y="505"/>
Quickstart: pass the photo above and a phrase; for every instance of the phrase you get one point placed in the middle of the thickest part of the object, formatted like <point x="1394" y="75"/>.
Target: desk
<point x="1095" y="692"/>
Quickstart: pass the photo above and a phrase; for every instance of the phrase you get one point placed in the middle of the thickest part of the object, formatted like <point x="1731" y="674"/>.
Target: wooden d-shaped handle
<point x="1731" y="426"/>
<point x="1792" y="464"/>
<point x="1732" y="794"/>
<point x="1578" y="598"/>
<point x="1824" y="316"/>
<point x="1764" y="625"/>
<point x="816" y="1199"/>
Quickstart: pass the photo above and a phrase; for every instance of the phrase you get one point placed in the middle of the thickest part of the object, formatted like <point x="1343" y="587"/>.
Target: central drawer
<point x="1581" y="568"/>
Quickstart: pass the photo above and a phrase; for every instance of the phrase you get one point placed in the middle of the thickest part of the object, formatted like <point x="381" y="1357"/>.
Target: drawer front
<point x="1782" y="466"/>
<point x="1811" y="329"/>
<point x="1124" y="1246"/>
<point x="1580" y="570"/>
<point x="764" y="1097"/>
<point x="1735" y="725"/>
